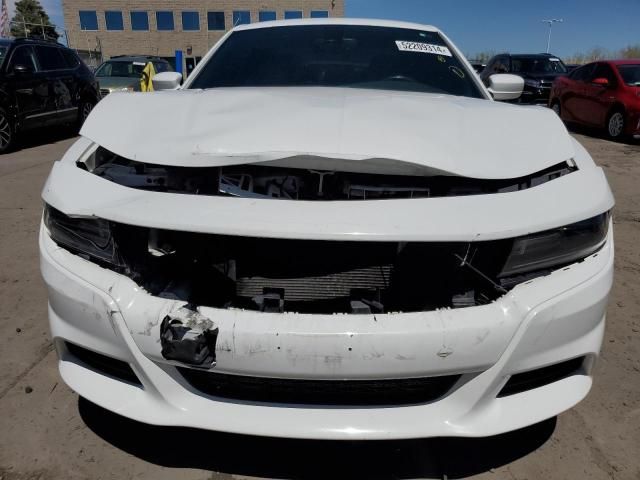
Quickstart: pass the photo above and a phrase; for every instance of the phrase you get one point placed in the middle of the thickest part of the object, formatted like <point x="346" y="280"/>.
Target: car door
<point x="598" y="98"/>
<point x="30" y="86"/>
<point x="573" y="98"/>
<point x="62" y="84"/>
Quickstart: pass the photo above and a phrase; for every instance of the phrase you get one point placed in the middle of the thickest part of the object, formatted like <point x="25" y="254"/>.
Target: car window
<point x="603" y="70"/>
<point x="24" y="56"/>
<point x="121" y="68"/>
<point x="537" y="65"/>
<point x="630" y="74"/>
<point x="70" y="58"/>
<point x="160" y="67"/>
<point x="50" y="58"/>
<point x="582" y="74"/>
<point x="3" y="54"/>
<point x="354" y="56"/>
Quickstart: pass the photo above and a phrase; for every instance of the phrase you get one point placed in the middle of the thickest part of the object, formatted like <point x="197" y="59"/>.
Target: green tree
<point x="29" y="20"/>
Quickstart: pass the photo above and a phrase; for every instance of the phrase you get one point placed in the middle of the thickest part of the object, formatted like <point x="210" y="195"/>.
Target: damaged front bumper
<point x="539" y="324"/>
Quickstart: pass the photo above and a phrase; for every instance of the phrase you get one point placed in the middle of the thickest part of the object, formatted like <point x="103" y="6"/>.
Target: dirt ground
<point x="47" y="432"/>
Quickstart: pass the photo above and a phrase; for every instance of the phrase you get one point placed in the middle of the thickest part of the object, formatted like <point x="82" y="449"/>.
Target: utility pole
<point x="550" y="22"/>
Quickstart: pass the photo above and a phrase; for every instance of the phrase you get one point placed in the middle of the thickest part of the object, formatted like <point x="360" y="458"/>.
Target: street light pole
<point x="550" y="22"/>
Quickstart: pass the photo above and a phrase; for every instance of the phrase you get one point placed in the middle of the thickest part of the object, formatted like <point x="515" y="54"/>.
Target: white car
<point x="330" y="231"/>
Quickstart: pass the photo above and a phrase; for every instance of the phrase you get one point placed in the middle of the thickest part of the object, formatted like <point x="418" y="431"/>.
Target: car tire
<point x="84" y="109"/>
<point x="556" y="107"/>
<point x="7" y="132"/>
<point x="616" y="124"/>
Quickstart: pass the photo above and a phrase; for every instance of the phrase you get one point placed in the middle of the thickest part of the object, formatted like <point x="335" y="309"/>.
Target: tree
<point x="31" y="20"/>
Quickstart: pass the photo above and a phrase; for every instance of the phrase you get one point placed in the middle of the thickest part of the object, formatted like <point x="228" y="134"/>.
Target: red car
<point x="603" y="94"/>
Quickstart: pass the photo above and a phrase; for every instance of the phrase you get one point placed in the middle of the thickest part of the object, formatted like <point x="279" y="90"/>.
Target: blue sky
<point x="501" y="25"/>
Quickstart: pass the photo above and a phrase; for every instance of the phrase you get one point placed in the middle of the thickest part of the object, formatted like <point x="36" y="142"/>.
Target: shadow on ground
<point x="283" y="458"/>
<point x="44" y="136"/>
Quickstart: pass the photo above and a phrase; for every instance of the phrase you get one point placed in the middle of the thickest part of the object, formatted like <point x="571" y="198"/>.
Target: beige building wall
<point x="165" y="43"/>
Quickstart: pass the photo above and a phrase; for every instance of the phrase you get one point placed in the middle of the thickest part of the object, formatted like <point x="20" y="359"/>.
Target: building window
<point x="88" y="20"/>
<point x="139" y="21"/>
<point x="113" y="19"/>
<point x="240" y="17"/>
<point x="164" y="21"/>
<point x="266" y="15"/>
<point x="215" y="20"/>
<point x="190" y="21"/>
<point x="319" y="14"/>
<point x="292" y="14"/>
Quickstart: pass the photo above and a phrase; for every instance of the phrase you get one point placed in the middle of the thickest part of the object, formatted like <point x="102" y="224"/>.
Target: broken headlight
<point x="557" y="247"/>
<point x="89" y="237"/>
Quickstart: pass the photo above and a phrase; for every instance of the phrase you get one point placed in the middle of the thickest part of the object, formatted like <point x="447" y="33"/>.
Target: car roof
<point x="134" y="58"/>
<point x="532" y="55"/>
<point x="369" y="22"/>
<point x="32" y="41"/>
<point x="624" y="61"/>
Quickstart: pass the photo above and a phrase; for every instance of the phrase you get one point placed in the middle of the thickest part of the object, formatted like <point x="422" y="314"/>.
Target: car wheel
<point x="616" y="124"/>
<point x="556" y="108"/>
<point x="86" y="106"/>
<point x="7" y="133"/>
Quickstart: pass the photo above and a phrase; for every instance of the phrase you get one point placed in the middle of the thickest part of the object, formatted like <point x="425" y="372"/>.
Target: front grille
<point x="521" y="382"/>
<point x="320" y="392"/>
<point x="103" y="364"/>
<point x="104" y="92"/>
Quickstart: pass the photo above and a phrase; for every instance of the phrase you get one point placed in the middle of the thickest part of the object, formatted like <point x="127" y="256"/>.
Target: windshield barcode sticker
<point x="404" y="46"/>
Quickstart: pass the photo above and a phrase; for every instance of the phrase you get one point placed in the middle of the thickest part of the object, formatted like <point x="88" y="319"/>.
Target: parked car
<point x="538" y="71"/>
<point x="41" y="84"/>
<point x="123" y="73"/>
<point x="603" y="94"/>
<point x="330" y="231"/>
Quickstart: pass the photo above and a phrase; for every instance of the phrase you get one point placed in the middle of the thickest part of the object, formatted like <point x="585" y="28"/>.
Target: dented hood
<point x="332" y="128"/>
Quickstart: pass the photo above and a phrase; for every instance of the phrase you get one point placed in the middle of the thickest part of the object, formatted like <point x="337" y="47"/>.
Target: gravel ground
<point x="47" y="432"/>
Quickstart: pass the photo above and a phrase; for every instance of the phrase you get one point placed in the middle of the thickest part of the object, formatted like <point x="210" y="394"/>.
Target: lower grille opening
<point x="104" y="364"/>
<point x="521" y="382"/>
<point x="320" y="392"/>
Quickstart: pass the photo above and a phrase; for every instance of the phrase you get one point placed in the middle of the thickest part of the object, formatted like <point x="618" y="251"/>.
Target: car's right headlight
<point x="557" y="247"/>
<point x="88" y="237"/>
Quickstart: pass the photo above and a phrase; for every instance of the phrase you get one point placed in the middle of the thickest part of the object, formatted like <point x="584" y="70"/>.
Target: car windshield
<point x="338" y="56"/>
<point x="121" y="69"/>
<point x="630" y="74"/>
<point x="537" y="65"/>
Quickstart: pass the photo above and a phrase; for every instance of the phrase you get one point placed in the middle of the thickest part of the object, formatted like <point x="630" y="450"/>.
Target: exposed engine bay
<point x="304" y="276"/>
<point x="276" y="182"/>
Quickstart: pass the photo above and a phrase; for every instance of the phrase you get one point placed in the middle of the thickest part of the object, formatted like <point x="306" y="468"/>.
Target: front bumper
<point x="536" y="95"/>
<point x="545" y="321"/>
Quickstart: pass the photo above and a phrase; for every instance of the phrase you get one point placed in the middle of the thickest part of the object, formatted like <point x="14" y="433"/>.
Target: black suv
<point x="538" y="71"/>
<point x="41" y="84"/>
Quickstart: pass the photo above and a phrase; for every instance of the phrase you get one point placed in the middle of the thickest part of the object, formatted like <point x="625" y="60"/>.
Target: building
<point x="105" y="28"/>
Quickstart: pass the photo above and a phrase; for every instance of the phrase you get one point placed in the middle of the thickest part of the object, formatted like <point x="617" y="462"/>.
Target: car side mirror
<point x="167" y="81"/>
<point x="600" y="81"/>
<point x="22" y="69"/>
<point x="504" y="86"/>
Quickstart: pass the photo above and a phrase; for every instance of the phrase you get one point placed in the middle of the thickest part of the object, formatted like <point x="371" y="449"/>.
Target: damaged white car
<point x="331" y="231"/>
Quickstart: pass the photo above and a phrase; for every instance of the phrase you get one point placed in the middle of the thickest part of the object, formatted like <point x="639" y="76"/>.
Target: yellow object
<point x="146" y="85"/>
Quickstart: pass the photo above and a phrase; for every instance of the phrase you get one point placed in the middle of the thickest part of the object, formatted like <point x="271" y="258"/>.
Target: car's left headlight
<point x="557" y="247"/>
<point x="89" y="237"/>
